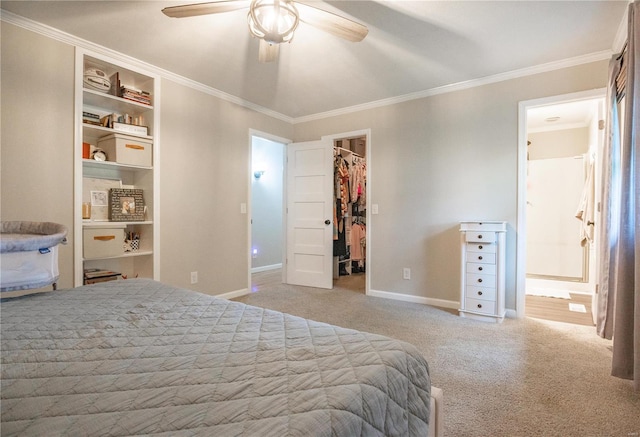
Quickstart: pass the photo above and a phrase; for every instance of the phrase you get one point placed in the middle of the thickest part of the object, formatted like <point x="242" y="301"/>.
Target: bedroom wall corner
<point x="37" y="128"/>
<point x="204" y="179"/>
<point x="443" y="159"/>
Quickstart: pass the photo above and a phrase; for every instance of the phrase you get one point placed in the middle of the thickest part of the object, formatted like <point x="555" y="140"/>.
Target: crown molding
<point x="621" y="35"/>
<point x="79" y="42"/>
<point x="67" y="38"/>
<point x="542" y="68"/>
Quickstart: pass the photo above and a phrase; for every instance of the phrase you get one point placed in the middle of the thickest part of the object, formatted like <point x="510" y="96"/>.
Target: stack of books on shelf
<point x="94" y="276"/>
<point x="124" y="123"/>
<point x="130" y="93"/>
<point x="127" y="91"/>
<point x="90" y="118"/>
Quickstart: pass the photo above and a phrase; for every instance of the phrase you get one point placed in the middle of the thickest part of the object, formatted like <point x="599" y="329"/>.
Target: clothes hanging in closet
<point x="358" y="176"/>
<point x="339" y="236"/>
<point x="342" y="191"/>
<point x="357" y="240"/>
<point x="342" y="199"/>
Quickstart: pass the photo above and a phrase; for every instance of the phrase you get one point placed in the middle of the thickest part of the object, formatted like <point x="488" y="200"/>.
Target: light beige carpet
<point x="519" y="378"/>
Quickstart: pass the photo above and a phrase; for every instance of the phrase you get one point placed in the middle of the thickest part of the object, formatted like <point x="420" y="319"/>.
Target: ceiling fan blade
<point x="268" y="52"/>
<point x="193" y="10"/>
<point x="331" y="23"/>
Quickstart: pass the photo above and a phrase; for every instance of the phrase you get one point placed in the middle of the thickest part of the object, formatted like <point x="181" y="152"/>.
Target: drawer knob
<point x="480" y="268"/>
<point x="479" y="305"/>
<point x="479" y="293"/>
<point x="480" y="280"/>
<point x="480" y="257"/>
<point x="480" y="247"/>
<point x="480" y="237"/>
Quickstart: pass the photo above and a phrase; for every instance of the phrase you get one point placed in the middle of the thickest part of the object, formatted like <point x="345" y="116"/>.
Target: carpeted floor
<point x="520" y="378"/>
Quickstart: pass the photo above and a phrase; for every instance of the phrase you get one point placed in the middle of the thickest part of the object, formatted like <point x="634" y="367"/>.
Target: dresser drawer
<point x="480" y="306"/>
<point x="481" y="248"/>
<point x="483" y="293"/>
<point x="484" y="269"/>
<point x="480" y="237"/>
<point x="481" y="280"/>
<point x="483" y="258"/>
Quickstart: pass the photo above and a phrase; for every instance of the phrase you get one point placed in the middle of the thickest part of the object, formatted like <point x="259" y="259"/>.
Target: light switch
<point x="374" y="208"/>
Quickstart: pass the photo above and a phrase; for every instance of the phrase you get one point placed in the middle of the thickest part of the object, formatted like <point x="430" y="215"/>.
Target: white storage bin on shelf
<point x="103" y="242"/>
<point x="482" y="292"/>
<point x="127" y="149"/>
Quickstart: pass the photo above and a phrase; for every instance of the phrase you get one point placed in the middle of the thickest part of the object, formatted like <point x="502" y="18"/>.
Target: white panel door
<point x="310" y="214"/>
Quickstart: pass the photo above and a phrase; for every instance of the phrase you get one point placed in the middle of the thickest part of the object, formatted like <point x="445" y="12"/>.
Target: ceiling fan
<point x="274" y="21"/>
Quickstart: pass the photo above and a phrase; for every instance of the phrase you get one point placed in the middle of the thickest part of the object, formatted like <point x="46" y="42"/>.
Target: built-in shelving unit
<point x="93" y="177"/>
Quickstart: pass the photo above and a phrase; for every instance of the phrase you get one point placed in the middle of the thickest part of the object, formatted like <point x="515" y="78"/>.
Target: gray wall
<point x="434" y="162"/>
<point x="440" y="160"/>
<point x="37" y="134"/>
<point x="205" y="175"/>
<point x="204" y="154"/>
<point x="559" y="143"/>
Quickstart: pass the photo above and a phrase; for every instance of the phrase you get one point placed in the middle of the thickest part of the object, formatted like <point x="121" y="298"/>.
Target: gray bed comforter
<point x="140" y="357"/>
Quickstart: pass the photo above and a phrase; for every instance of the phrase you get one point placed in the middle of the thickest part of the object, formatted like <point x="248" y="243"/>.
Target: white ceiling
<point x="566" y="115"/>
<point x="412" y="46"/>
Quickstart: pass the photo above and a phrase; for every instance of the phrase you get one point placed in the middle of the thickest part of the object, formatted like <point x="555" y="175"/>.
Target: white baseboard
<point x="233" y="294"/>
<point x="266" y="268"/>
<point x="453" y="304"/>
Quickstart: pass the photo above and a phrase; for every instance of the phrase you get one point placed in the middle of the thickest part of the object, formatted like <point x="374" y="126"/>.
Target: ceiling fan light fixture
<point x="273" y="20"/>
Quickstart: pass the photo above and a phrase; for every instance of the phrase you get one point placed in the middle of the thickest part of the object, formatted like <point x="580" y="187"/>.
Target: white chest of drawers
<point x="483" y="270"/>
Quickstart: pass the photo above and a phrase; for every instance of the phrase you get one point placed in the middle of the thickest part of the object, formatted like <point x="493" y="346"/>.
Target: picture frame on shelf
<point x="126" y="205"/>
<point x="96" y="192"/>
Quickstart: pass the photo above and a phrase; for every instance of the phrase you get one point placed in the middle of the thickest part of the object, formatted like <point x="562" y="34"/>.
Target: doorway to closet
<point x="350" y="213"/>
<point x="311" y="213"/>
<point x="563" y="146"/>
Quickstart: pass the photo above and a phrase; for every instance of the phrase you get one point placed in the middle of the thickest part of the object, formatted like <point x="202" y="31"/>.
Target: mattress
<point x="137" y="356"/>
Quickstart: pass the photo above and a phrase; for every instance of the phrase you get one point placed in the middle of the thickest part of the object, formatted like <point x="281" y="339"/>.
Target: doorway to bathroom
<point x="563" y="137"/>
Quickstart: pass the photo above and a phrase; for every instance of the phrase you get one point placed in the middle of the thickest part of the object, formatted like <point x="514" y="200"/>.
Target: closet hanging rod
<point x="347" y="150"/>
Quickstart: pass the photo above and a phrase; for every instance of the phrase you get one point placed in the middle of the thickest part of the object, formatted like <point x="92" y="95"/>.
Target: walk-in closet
<point x="350" y="212"/>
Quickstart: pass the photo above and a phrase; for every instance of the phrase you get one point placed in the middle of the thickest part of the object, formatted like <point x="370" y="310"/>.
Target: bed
<point x="138" y="356"/>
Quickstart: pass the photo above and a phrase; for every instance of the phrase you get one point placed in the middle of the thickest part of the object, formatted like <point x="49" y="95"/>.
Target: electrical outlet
<point x="406" y="273"/>
<point x="194" y="277"/>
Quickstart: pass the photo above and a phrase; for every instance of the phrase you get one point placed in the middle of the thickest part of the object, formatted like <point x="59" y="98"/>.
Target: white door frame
<point x="521" y="220"/>
<point x="368" y="189"/>
<point x="277" y="139"/>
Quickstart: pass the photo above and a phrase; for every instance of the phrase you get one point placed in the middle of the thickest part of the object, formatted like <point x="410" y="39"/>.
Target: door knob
<point x="327" y="222"/>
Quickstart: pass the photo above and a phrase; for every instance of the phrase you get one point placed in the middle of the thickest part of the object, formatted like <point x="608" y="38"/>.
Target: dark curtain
<point x="619" y="282"/>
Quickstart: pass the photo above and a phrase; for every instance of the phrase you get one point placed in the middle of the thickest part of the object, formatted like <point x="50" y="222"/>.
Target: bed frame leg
<point x="435" y="419"/>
